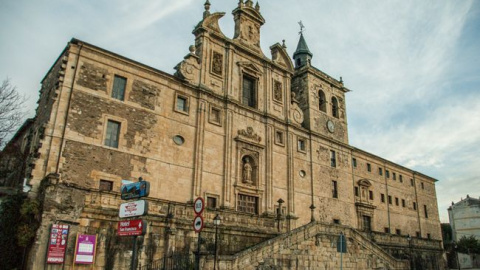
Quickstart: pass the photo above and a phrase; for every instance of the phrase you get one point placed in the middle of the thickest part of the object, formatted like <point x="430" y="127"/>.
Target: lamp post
<point x="216" y="222"/>
<point x="455" y="247"/>
<point x="279" y="213"/>
<point x="409" y="239"/>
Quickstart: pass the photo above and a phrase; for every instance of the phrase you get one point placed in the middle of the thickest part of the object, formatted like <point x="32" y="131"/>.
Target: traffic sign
<point x="199" y="205"/>
<point x="198" y="224"/>
<point x="133" y="209"/>
<point x="342" y="243"/>
<point x="131" y="227"/>
<point x="135" y="190"/>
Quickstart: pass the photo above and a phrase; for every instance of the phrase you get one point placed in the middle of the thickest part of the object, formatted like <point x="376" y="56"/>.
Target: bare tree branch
<point x="11" y="110"/>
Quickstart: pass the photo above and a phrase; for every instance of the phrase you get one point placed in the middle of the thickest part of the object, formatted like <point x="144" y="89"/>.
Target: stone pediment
<point x="364" y="183"/>
<point x="250" y="67"/>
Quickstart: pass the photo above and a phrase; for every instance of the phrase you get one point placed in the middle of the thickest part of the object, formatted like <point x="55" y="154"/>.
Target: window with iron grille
<point x="105" y="185"/>
<point x="118" y="91"/>
<point x="249" y="97"/>
<point x="247" y="204"/>
<point x="113" y="133"/>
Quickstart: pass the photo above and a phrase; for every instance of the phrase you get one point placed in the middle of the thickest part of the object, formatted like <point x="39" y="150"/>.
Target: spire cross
<point x="301" y="27"/>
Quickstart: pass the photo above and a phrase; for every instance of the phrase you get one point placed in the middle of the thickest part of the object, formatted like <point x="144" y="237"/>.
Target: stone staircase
<point x="309" y="247"/>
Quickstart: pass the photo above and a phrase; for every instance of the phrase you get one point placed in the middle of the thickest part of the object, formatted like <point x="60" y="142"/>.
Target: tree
<point x="468" y="245"/>
<point x="11" y="110"/>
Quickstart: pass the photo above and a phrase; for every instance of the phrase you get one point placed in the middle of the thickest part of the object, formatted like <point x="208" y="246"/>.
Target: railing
<point x="172" y="262"/>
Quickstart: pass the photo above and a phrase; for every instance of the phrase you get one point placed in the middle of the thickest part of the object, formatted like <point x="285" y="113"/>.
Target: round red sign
<point x="199" y="205"/>
<point x="198" y="224"/>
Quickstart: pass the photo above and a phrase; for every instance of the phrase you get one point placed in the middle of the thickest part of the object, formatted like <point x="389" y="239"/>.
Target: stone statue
<point x="247" y="171"/>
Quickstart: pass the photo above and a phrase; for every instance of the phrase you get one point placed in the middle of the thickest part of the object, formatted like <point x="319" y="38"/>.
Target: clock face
<point x="330" y="126"/>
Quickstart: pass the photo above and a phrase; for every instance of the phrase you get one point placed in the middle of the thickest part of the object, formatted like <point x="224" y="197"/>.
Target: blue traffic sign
<point x="135" y="190"/>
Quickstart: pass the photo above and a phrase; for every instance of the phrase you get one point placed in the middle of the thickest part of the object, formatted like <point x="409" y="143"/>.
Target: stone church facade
<point x="264" y="140"/>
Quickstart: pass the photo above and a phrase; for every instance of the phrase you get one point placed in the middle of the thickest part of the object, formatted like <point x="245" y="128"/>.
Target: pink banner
<point x="85" y="249"/>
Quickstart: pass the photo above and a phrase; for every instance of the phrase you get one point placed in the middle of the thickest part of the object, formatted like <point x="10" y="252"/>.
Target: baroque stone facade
<point x="264" y="141"/>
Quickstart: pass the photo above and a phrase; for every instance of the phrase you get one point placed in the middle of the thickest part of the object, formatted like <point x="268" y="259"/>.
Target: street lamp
<point x="216" y="222"/>
<point x="409" y="239"/>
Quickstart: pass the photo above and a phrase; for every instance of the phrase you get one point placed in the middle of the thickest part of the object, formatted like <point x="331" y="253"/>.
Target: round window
<point x="179" y="140"/>
<point x="302" y="173"/>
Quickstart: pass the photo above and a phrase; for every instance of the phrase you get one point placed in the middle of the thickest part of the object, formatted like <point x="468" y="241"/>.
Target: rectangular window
<point x="382" y="197"/>
<point x="380" y="171"/>
<point x="336" y="221"/>
<point x="386" y="230"/>
<point x="400" y="177"/>
<point x="354" y="162"/>
<point x="396" y="201"/>
<point x="249" y="91"/>
<point x="248" y="204"/>
<point x="333" y="159"/>
<point x="118" y="91"/>
<point x="418" y="234"/>
<point x="301" y="145"/>
<point x="369" y="167"/>
<point x="370" y="194"/>
<point x="387" y="173"/>
<point x="425" y="210"/>
<point x="394" y="176"/>
<point x="429" y="236"/>
<point x="389" y="199"/>
<point x="411" y="182"/>
<point x="113" y="134"/>
<point x="398" y="232"/>
<point x="414" y="206"/>
<point x="211" y="202"/>
<point x="367" y="223"/>
<point x="334" y="189"/>
<point x="356" y="191"/>
<point x="403" y="202"/>
<point x="279" y="137"/>
<point x="423" y="186"/>
<point x="106" y="185"/>
<point x="215" y="115"/>
<point x="182" y="104"/>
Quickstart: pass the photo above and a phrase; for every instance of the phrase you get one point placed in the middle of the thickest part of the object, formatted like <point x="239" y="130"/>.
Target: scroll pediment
<point x="364" y="183"/>
<point x="280" y="56"/>
<point x="249" y="134"/>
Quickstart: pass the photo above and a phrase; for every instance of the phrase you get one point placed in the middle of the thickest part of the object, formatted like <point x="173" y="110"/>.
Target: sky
<point x="413" y="66"/>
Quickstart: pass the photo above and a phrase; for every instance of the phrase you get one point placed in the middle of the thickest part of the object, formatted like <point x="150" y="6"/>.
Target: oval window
<point x="179" y="140"/>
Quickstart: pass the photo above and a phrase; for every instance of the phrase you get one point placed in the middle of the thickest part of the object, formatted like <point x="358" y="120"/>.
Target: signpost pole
<point x="134" y="253"/>
<point x="197" y="258"/>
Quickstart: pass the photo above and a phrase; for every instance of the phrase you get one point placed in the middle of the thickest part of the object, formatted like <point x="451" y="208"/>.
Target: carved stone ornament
<point x="217" y="63"/>
<point x="277" y="91"/>
<point x="248" y="133"/>
<point x="189" y="68"/>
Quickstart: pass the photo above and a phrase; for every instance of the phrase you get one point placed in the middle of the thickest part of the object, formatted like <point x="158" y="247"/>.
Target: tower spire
<point x="302" y="55"/>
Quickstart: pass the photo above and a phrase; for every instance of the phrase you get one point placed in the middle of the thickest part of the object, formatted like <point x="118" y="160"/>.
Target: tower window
<point x="249" y="97"/>
<point x="334" y="107"/>
<point x="369" y="167"/>
<point x="426" y="212"/>
<point x="334" y="189"/>
<point x="380" y="171"/>
<point x="387" y="173"/>
<point x="382" y="197"/>
<point x="354" y="162"/>
<point x="322" y="101"/>
<point x="333" y="160"/>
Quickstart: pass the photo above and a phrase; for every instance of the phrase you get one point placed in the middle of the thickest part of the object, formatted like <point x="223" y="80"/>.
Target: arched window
<point x="334" y="107"/>
<point x="322" y="101"/>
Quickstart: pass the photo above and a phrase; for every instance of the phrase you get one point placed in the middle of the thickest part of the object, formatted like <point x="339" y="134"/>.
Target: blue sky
<point x="413" y="66"/>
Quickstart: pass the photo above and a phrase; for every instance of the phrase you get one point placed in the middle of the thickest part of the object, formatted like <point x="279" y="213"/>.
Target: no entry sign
<point x="131" y="227"/>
